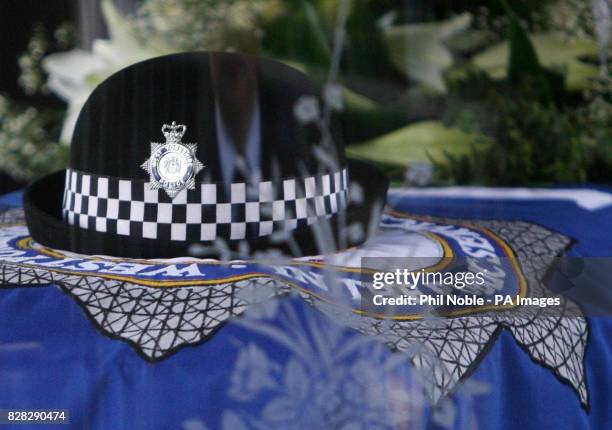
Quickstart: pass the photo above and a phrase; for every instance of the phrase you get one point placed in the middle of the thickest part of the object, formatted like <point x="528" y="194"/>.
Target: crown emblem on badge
<point x="173" y="132"/>
<point x="173" y="165"/>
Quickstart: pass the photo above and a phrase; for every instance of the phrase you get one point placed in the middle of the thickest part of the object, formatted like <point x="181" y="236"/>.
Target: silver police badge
<point x="173" y="165"/>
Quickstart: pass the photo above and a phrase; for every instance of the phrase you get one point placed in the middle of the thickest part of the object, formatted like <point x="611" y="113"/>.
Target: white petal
<point x="64" y="88"/>
<point x="73" y="65"/>
<point x="119" y="56"/>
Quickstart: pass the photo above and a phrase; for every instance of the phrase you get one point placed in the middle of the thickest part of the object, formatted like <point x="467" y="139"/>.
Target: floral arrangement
<point x="433" y="98"/>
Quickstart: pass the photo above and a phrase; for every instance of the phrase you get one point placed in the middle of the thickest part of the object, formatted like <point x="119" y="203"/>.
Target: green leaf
<point x="366" y="52"/>
<point x="554" y="51"/>
<point x="354" y="100"/>
<point x="328" y="10"/>
<point x="304" y="33"/>
<point x="523" y="60"/>
<point x="421" y="141"/>
<point x="419" y="50"/>
<point x="298" y="34"/>
<point x="317" y="27"/>
<point x="524" y="68"/>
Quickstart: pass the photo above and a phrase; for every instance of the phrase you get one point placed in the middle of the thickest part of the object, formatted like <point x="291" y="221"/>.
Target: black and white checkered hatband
<point x="212" y="210"/>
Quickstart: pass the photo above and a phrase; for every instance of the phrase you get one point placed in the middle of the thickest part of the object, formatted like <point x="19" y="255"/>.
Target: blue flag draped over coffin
<point x="159" y="307"/>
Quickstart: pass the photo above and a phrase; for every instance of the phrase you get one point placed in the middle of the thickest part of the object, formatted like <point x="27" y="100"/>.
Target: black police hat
<point x="175" y="154"/>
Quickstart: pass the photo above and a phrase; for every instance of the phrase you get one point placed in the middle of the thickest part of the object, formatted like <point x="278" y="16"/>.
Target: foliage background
<point x="436" y="92"/>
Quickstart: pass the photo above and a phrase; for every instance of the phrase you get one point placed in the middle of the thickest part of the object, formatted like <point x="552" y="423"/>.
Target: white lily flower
<point x="419" y="50"/>
<point x="73" y="75"/>
<point x="68" y="74"/>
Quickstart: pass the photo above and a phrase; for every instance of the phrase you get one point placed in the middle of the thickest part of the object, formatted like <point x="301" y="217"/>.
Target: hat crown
<point x="239" y="111"/>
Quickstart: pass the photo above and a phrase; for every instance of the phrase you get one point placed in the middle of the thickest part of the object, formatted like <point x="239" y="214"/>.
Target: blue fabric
<point x="589" y="228"/>
<point x="527" y="395"/>
<point x="11" y="200"/>
<point x="51" y="356"/>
